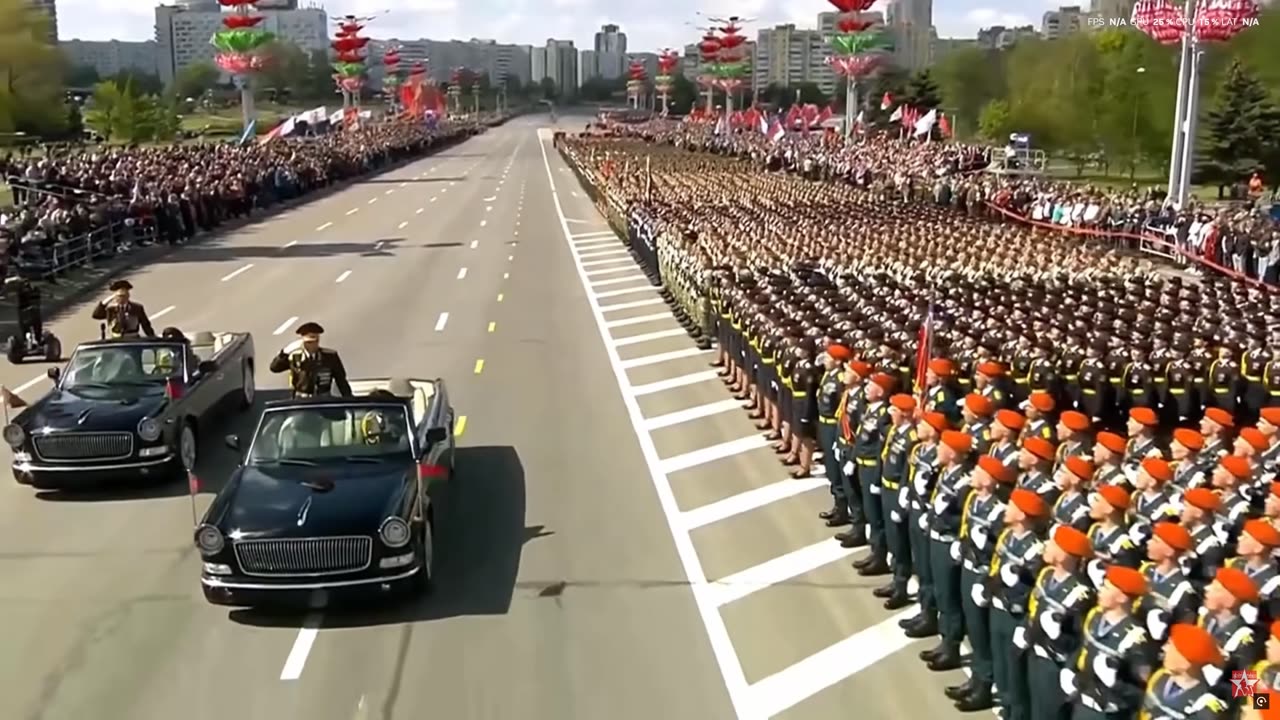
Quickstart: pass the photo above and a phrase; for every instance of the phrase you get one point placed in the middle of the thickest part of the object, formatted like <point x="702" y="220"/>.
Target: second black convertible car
<point x="130" y="408"/>
<point x="333" y="496"/>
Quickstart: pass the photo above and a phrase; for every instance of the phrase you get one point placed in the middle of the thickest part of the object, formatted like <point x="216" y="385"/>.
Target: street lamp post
<point x="1133" y="135"/>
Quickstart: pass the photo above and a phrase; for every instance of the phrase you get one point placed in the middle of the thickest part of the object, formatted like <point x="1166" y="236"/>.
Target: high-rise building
<point x="537" y="64"/>
<point x="999" y="37"/>
<point x="1062" y="22"/>
<point x="588" y="67"/>
<point x="787" y="57"/>
<point x="50" y="8"/>
<point x="562" y="65"/>
<point x="183" y="32"/>
<point x="690" y="61"/>
<point x="611" y="52"/>
<point x="110" y="57"/>
<point x="496" y="60"/>
<point x="911" y="25"/>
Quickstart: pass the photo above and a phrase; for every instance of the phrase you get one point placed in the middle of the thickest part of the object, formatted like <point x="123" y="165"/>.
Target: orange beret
<point x="1271" y="415"/>
<point x="1072" y="541"/>
<point x="1127" y="580"/>
<point x="961" y="442"/>
<point x="839" y="353"/>
<point x="1029" y="503"/>
<point x="1144" y="415"/>
<point x="1189" y="439"/>
<point x="1195" y="644"/>
<point x="1203" y="498"/>
<point x="1039" y="447"/>
<point x="1041" y="401"/>
<point x="903" y="402"/>
<point x="1220" y="416"/>
<point x="1238" y="466"/>
<point x="860" y="368"/>
<point x="937" y="421"/>
<point x="1079" y="467"/>
<point x="1255" y="438"/>
<point x="1112" y="442"/>
<point x="1263" y="531"/>
<point x="1238" y="583"/>
<point x="1116" y="496"/>
<point x="1076" y="421"/>
<point x="979" y="405"/>
<point x="942" y="367"/>
<point x="884" y="380"/>
<point x="991" y="368"/>
<point x="1174" y="535"/>
<point x="1011" y="419"/>
<point x="1275" y="632"/>
<point x="996" y="469"/>
<point x="1158" y="468"/>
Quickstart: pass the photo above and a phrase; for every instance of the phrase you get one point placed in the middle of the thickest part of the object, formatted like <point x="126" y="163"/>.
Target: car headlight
<point x="14" y="435"/>
<point x="209" y="539"/>
<point x="149" y="430"/>
<point x="394" y="532"/>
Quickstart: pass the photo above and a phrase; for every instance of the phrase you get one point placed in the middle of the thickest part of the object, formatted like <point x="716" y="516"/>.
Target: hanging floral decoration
<point x="1161" y="20"/>
<point x="391" y="71"/>
<point x="636" y="77"/>
<point x="457" y="78"/>
<point x="667" y="62"/>
<point x="349" y="63"/>
<point x="1221" y="20"/>
<point x="732" y="64"/>
<point x="858" y="45"/>
<point x="240" y="44"/>
<point x="709" y="54"/>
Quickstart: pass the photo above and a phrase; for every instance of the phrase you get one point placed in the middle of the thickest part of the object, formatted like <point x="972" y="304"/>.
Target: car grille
<point x="84" y="446"/>
<point x="304" y="556"/>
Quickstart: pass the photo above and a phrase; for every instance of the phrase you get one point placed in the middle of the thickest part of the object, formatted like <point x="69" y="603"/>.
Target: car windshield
<point x="311" y="435"/>
<point x="112" y="366"/>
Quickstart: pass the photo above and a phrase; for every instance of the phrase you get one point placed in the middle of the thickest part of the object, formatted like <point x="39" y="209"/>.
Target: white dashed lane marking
<point x="462" y="273"/>
<point x="285" y="326"/>
<point x="232" y="275"/>
<point x="442" y="321"/>
<point x="324" y="226"/>
<point x="353" y="211"/>
<point x="403" y="225"/>
<point x="345" y="274"/>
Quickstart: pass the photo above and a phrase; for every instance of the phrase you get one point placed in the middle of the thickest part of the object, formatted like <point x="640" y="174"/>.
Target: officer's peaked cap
<point x="121" y="285"/>
<point x="310" y="328"/>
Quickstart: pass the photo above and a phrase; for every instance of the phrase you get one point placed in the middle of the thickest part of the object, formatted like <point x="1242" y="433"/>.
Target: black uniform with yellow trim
<point x="1167" y="699"/>
<point x="312" y="373"/>
<point x="1110" y="667"/>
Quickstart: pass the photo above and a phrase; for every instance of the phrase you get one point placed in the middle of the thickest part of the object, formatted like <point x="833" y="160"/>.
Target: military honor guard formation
<point x="1064" y="453"/>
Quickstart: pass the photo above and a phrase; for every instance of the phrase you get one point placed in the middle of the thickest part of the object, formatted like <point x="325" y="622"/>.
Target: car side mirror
<point x="207" y="366"/>
<point x="437" y="435"/>
<point x="55" y="374"/>
<point x="233" y="442"/>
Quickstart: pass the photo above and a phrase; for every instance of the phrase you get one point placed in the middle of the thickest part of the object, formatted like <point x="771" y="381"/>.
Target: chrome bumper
<point x="216" y="583"/>
<point x="28" y="466"/>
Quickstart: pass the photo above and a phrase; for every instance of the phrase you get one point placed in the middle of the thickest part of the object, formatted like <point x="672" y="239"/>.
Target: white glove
<point x="1097" y="574"/>
<point x="979" y="598"/>
<point x="979" y="537"/>
<point x="902" y="498"/>
<point x="848" y="468"/>
<point x="940" y="505"/>
<point x="1138" y="534"/>
<point x="1212" y="675"/>
<point x="1020" y="638"/>
<point x="1103" y="669"/>
<point x="923" y="522"/>
<point x="955" y="551"/>
<point x="1249" y="614"/>
<point x="837" y="453"/>
<point x="1157" y="624"/>
<point x="1008" y="575"/>
<point x="876" y="489"/>
<point x="895" y="516"/>
<point x="1067" y="681"/>
<point x="1051" y="625"/>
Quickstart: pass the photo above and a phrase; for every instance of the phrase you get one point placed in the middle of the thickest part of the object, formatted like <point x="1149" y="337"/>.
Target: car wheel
<point x="16" y="352"/>
<point x="188" y="448"/>
<point x="52" y="349"/>
<point x="424" y="579"/>
<point x="249" y="390"/>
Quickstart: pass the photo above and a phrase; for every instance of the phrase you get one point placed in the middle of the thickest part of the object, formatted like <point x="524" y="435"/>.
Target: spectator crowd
<point x="1071" y="446"/>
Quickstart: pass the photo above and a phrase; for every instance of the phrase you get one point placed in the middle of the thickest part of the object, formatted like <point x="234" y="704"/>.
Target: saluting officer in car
<point x="313" y="370"/>
<point x="124" y="317"/>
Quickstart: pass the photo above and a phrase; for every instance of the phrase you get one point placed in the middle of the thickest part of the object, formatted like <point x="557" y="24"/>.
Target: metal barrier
<point x="45" y="262"/>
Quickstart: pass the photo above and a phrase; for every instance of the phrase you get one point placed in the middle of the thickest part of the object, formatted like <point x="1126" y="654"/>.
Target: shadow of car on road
<point x="480" y="536"/>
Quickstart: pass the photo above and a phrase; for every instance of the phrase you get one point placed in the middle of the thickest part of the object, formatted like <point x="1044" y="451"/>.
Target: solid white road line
<point x="30" y="383"/>
<point x="403" y="225"/>
<point x="345" y="274"/>
<point x="626" y="291"/>
<point x="593" y="245"/>
<point x="441" y="321"/>
<point x="474" y="244"/>
<point x="614" y="261"/>
<point x="578" y="237"/>
<point x="353" y="211"/>
<point x="717" y="634"/>
<point x="719" y="451"/>
<point x="324" y="226"/>
<point x="646" y="337"/>
<point x="615" y="281"/>
<point x="639" y="320"/>
<point x="660" y="357"/>
<point x="787" y="688"/>
<point x="162" y="312"/>
<point x="612" y="252"/>
<point x="285" y="326"/>
<point x="289" y="244"/>
<point x="462" y="273"/>
<point x="301" y="648"/>
<point x="231" y="275"/>
<point x="749" y="500"/>
<point x="690" y="414"/>
<point x="610" y="271"/>
<point x="629" y="305"/>
<point x="778" y="570"/>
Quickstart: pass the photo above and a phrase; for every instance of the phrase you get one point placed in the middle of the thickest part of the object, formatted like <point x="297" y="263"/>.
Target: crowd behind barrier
<point x="1072" y="448"/>
<point x="74" y="205"/>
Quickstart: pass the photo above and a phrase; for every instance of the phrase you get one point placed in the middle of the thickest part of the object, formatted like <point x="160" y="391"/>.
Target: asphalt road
<point x="576" y="580"/>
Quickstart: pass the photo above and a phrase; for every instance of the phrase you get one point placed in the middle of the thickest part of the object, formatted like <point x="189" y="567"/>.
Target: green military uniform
<point x="1051" y="634"/>
<point x="893" y="462"/>
<point x="1109" y="670"/>
<point x="312" y="374"/>
<point x="1006" y="451"/>
<point x="1072" y="508"/>
<point x="945" y="511"/>
<point x="868" y="445"/>
<point x="1111" y="546"/>
<point x="1014" y="567"/>
<point x="923" y="465"/>
<point x="1039" y="427"/>
<point x="830" y="393"/>
<point x="944" y="399"/>
<point x="1170" y="599"/>
<point x="1041" y="483"/>
<point x="980" y="430"/>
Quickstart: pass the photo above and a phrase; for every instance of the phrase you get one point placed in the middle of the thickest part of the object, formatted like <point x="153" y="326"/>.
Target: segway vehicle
<point x="46" y="345"/>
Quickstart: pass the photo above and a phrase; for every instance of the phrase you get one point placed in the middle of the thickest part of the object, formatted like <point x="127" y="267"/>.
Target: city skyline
<point x="667" y="23"/>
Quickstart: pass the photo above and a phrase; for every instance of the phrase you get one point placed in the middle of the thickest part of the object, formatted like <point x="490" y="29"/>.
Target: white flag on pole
<point x="897" y="115"/>
<point x="926" y="123"/>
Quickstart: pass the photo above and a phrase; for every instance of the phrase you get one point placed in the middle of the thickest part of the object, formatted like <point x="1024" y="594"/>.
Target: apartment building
<point x="110" y="57"/>
<point x="183" y="32"/>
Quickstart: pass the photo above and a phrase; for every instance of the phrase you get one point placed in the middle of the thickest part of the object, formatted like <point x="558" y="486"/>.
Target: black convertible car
<point x="333" y="496"/>
<point x="129" y="409"/>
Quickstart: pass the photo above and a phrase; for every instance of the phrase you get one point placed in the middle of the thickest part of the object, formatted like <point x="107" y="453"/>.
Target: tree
<point x="1240" y="131"/>
<point x="31" y="94"/>
<point x="82" y="76"/>
<point x="683" y="95"/>
<point x="195" y="80"/>
<point x="969" y="79"/>
<point x="118" y="112"/>
<point x="548" y="88"/>
<point x="140" y="83"/>
<point x="995" y="122"/>
<point x="922" y="92"/>
<point x="287" y="72"/>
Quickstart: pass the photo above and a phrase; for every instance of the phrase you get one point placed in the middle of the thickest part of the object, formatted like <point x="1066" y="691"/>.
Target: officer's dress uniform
<point x="868" y="446"/>
<point x="979" y="529"/>
<point x="923" y="474"/>
<point x="1014" y="567"/>
<point x="1096" y="391"/>
<point x="980" y="430"/>
<point x="1253" y="364"/>
<point x="1137" y="450"/>
<point x="1181" y="385"/>
<point x="945" y="511"/>
<point x="894" y="459"/>
<point x="312" y="374"/>
<point x="830" y="392"/>
<point x="1224" y="384"/>
<point x="1044" y="376"/>
<point x="1271" y="383"/>
<point x="944" y="399"/>
<point x="1052" y="634"/>
<point x="1110" y="667"/>
<point x="124" y="319"/>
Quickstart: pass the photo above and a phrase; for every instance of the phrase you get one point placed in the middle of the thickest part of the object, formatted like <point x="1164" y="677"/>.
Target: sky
<point x="650" y="25"/>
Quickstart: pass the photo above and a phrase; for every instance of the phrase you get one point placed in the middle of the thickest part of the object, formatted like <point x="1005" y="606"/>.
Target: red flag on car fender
<point x="193" y="489"/>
